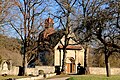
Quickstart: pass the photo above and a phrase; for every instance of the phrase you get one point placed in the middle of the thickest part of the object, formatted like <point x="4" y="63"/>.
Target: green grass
<point x="93" y="77"/>
<point x="7" y="77"/>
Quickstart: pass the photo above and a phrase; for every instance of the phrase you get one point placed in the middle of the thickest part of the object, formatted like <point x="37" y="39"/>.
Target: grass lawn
<point x="7" y="77"/>
<point x="93" y="77"/>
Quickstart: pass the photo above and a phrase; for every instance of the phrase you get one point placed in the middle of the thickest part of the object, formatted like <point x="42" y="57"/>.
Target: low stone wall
<point x="13" y="71"/>
<point x="115" y="71"/>
<point x="29" y="71"/>
<point x="35" y="71"/>
<point x="97" y="70"/>
<point x="46" y="69"/>
<point x="102" y="71"/>
<point x="32" y="71"/>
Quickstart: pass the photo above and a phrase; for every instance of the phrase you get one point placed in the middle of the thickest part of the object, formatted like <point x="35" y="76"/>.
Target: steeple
<point x="48" y="27"/>
<point x="49" y="23"/>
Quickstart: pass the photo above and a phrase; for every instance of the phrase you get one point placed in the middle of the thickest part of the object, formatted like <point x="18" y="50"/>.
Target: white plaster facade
<point x="74" y="56"/>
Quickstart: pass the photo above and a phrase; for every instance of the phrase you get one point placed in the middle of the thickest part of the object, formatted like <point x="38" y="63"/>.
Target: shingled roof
<point x="50" y="38"/>
<point x="71" y="47"/>
<point x="55" y="37"/>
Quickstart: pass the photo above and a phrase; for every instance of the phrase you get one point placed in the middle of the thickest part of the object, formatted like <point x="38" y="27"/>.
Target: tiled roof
<point x="48" y="32"/>
<point x="71" y="47"/>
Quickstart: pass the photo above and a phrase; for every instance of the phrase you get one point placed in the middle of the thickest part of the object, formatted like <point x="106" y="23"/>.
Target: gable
<point x="72" y="43"/>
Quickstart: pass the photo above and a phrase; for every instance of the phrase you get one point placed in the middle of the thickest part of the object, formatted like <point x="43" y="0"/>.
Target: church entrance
<point x="70" y="65"/>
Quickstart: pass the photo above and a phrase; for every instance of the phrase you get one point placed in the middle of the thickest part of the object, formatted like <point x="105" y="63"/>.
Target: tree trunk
<point x="86" y="59"/>
<point x="107" y="62"/>
<point x="107" y="66"/>
<point x="25" y="64"/>
<point x="24" y="56"/>
<point x="23" y="71"/>
<point x="63" y="61"/>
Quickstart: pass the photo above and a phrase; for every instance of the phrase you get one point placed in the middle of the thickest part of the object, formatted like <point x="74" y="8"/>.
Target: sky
<point x="53" y="7"/>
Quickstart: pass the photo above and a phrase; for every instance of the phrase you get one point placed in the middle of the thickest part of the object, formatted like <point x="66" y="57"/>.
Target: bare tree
<point x="99" y="24"/>
<point x="108" y="33"/>
<point x="65" y="10"/>
<point x="26" y="22"/>
<point x="4" y="13"/>
<point x="86" y="11"/>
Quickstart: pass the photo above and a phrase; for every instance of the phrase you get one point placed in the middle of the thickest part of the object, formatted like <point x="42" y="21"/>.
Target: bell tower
<point x="48" y="27"/>
<point x="49" y="23"/>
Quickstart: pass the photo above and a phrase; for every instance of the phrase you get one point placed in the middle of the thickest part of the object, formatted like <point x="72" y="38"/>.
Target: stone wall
<point x="115" y="71"/>
<point x="46" y="69"/>
<point x="13" y="71"/>
<point x="102" y="71"/>
<point x="35" y="71"/>
<point x="32" y="71"/>
<point x="29" y="71"/>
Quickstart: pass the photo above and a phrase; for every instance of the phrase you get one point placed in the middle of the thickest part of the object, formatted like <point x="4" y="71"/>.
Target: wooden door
<point x="70" y="67"/>
<point x="67" y="67"/>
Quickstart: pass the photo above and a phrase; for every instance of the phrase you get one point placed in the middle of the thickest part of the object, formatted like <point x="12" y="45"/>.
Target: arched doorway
<point x="70" y="65"/>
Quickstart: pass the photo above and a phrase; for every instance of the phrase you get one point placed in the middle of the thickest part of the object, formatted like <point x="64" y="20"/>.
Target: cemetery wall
<point x="13" y="71"/>
<point x="102" y="71"/>
<point x="35" y="71"/>
<point x="46" y="69"/>
<point x="31" y="71"/>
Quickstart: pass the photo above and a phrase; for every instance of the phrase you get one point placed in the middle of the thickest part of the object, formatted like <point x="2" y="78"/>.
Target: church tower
<point x="48" y="27"/>
<point x="49" y="23"/>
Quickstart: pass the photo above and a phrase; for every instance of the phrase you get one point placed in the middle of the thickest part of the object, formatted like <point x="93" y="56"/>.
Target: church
<point x="74" y="56"/>
<point x="74" y="51"/>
